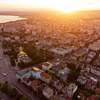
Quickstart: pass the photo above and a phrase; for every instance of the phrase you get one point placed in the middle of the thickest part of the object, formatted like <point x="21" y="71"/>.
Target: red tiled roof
<point x="26" y="79"/>
<point x="45" y="75"/>
<point x="88" y="85"/>
<point x="66" y="98"/>
<point x="55" y="80"/>
<point x="94" y="97"/>
<point x="33" y="83"/>
<point x="88" y="98"/>
<point x="97" y="90"/>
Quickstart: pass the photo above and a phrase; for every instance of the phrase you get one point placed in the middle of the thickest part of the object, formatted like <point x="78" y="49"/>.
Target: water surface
<point x="8" y="18"/>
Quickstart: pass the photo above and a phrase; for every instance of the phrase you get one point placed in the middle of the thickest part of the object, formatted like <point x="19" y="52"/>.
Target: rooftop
<point x="71" y="87"/>
<point x="88" y="85"/>
<point x="45" y="75"/>
<point x="65" y="89"/>
<point x="82" y="96"/>
<point x="46" y="63"/>
<point x="54" y="97"/>
<point x="22" y="72"/>
<point x="26" y="80"/>
<point x="48" y="90"/>
<point x="35" y="69"/>
<point x="63" y="97"/>
<point x="97" y="90"/>
<point x="55" y="80"/>
<point x="33" y="83"/>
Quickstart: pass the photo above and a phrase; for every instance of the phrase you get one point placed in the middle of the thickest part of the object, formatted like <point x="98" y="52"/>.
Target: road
<point x="4" y="68"/>
<point x="4" y="96"/>
<point x="11" y="76"/>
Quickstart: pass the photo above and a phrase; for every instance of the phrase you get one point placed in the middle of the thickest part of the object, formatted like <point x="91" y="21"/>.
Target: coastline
<point x="9" y="18"/>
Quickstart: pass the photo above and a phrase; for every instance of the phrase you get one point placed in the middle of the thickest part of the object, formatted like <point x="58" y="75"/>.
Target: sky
<point x="62" y="5"/>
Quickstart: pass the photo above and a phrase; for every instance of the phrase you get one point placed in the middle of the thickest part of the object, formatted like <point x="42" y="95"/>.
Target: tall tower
<point x="20" y="49"/>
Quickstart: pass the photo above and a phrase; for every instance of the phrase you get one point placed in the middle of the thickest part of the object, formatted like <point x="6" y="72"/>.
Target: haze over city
<point x="60" y="5"/>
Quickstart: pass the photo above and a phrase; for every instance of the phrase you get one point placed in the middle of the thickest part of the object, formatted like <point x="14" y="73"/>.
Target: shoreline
<point x="7" y="18"/>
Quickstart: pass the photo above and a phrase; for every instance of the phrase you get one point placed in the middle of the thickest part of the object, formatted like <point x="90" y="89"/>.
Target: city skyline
<point x="61" y="5"/>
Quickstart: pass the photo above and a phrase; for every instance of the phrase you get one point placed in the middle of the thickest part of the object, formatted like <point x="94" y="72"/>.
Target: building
<point x="82" y="79"/>
<point x="71" y="90"/>
<point x="56" y="69"/>
<point x="92" y="54"/>
<point x="73" y="57"/>
<point x="33" y="33"/>
<point x="36" y="72"/>
<point x="7" y="38"/>
<point x="34" y="83"/>
<point x="64" y="90"/>
<point x="24" y="75"/>
<point x="46" y="65"/>
<point x="54" y="97"/>
<point x="39" y="88"/>
<point x="47" y="92"/>
<point x="88" y="68"/>
<point x="62" y="51"/>
<point x="63" y="97"/>
<point x="81" y="96"/>
<point x="45" y="77"/>
<point x="57" y="84"/>
<point x="95" y="71"/>
<point x="63" y="73"/>
<point x="97" y="90"/>
<point x="92" y="82"/>
<point x="26" y="80"/>
<point x="17" y="37"/>
<point x="22" y="56"/>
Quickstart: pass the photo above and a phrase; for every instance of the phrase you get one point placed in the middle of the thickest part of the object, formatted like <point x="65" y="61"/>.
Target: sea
<point x="8" y="18"/>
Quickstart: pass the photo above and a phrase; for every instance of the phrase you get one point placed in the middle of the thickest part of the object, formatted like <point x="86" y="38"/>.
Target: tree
<point x="73" y="75"/>
<point x="46" y="71"/>
<point x="40" y="67"/>
<point x="11" y="93"/>
<point x="79" y="85"/>
<point x="76" y="93"/>
<point x="30" y="88"/>
<point x="71" y="65"/>
<point x="91" y="91"/>
<point x="15" y="91"/>
<point x="21" y="64"/>
<point x="59" y="93"/>
<point x="79" y="69"/>
<point x="24" y="98"/>
<point x="6" y="82"/>
<point x="86" y="93"/>
<point x="4" y="88"/>
<point x="35" y="92"/>
<point x="19" y="79"/>
<point x="12" y="61"/>
<point x="19" y="96"/>
<point x="0" y="84"/>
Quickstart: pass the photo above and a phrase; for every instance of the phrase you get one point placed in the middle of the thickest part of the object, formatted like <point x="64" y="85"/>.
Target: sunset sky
<point x="62" y="5"/>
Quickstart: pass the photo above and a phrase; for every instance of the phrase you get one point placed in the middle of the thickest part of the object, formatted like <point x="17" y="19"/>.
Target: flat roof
<point x="22" y="72"/>
<point x="48" y="90"/>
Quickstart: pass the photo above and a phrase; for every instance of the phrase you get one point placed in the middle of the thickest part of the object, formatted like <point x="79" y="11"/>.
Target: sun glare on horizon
<point x="66" y="9"/>
<point x="61" y="5"/>
<point x="66" y="6"/>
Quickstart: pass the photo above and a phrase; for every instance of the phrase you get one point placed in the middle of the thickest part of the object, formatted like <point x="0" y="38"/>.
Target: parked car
<point x="4" y="74"/>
